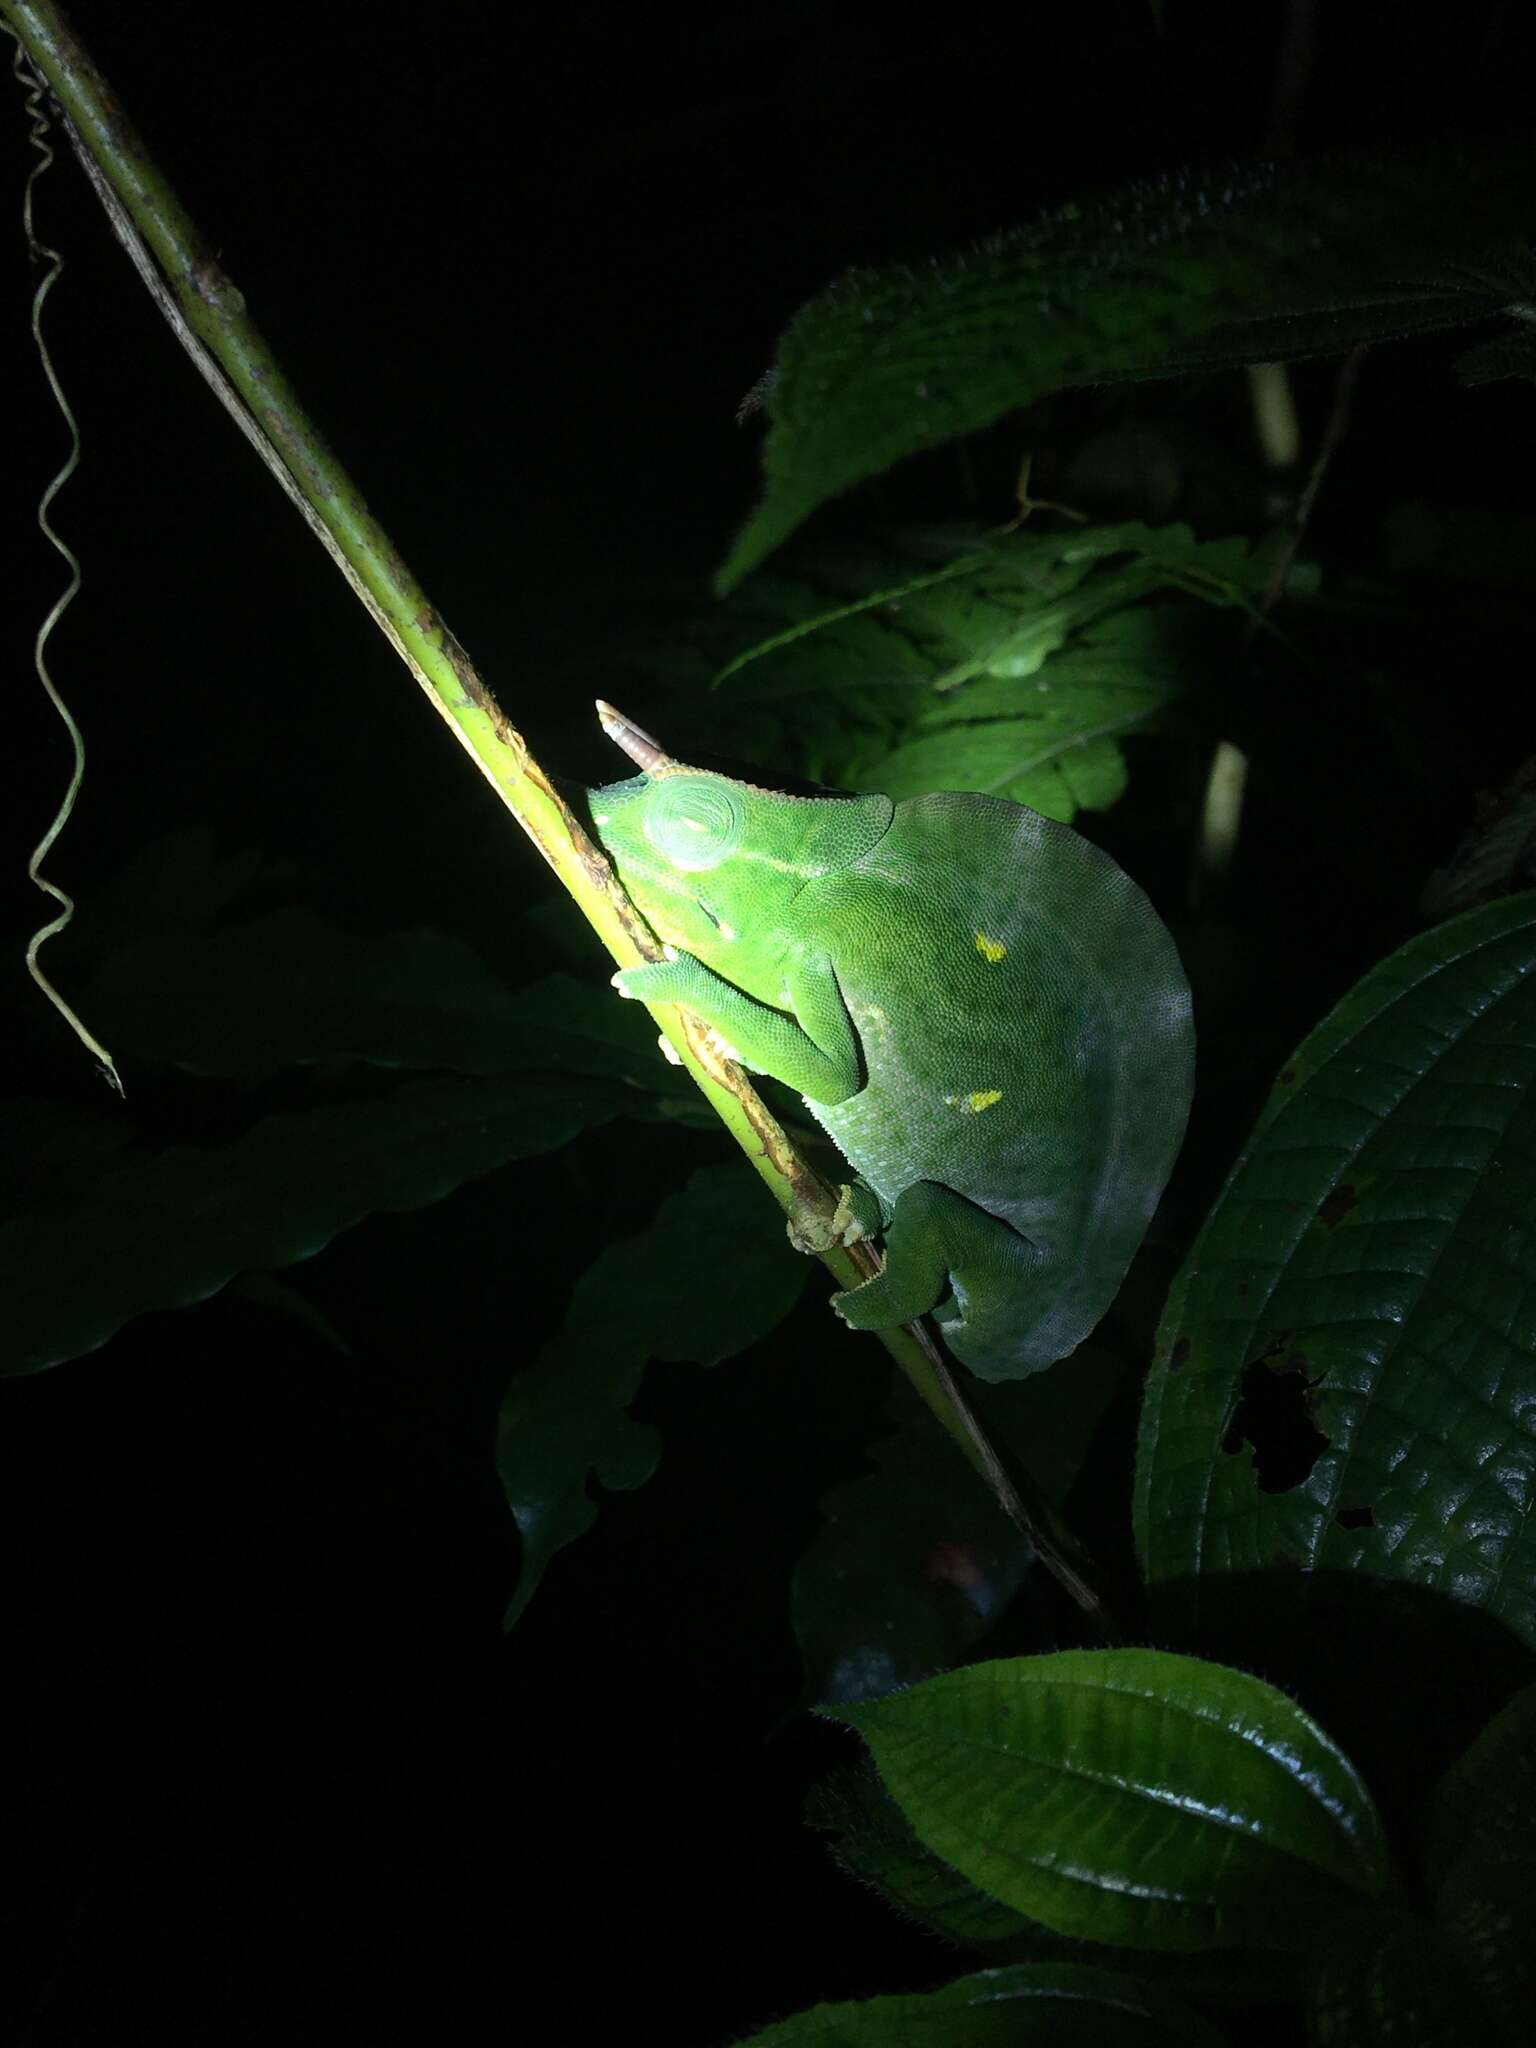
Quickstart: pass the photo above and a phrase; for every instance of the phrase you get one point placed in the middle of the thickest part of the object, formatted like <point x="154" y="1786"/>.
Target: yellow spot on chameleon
<point x="991" y="950"/>
<point x="978" y="1100"/>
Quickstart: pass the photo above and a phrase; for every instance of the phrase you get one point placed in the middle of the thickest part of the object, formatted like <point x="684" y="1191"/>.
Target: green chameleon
<point x="984" y="1012"/>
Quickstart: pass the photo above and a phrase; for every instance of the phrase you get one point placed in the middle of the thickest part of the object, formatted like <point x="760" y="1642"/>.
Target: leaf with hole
<point x="1347" y="1366"/>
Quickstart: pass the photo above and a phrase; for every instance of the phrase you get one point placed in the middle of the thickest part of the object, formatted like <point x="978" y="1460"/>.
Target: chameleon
<point x="980" y="1008"/>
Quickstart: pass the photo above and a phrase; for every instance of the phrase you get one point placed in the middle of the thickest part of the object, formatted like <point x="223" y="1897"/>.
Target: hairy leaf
<point x="876" y="1843"/>
<point x="1028" y="2005"/>
<point x="1261" y="263"/>
<point x="1133" y="1797"/>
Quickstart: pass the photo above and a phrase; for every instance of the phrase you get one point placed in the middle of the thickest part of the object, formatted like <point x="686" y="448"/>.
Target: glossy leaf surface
<point x="1133" y="1797"/>
<point x="1036" y="2005"/>
<point x="1347" y="1364"/>
<point x="874" y="1841"/>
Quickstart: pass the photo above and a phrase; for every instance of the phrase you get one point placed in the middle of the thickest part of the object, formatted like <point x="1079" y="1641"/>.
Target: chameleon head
<point x="709" y="860"/>
<point x="672" y="835"/>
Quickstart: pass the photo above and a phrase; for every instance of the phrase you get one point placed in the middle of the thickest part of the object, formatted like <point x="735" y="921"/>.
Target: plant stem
<point x="207" y="311"/>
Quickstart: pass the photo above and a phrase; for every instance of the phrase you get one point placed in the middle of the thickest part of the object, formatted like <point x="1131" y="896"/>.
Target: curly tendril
<point x="52" y="264"/>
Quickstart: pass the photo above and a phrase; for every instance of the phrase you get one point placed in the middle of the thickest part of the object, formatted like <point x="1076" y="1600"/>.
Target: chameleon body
<point x="983" y="1011"/>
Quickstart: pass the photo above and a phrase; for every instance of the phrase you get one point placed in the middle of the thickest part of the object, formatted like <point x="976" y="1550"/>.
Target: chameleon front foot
<point x="856" y="1217"/>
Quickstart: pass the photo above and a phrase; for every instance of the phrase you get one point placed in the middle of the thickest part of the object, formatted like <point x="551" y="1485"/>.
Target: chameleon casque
<point x="981" y="1009"/>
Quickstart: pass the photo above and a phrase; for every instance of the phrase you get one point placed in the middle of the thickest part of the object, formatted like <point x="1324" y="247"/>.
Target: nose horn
<point x="645" y="752"/>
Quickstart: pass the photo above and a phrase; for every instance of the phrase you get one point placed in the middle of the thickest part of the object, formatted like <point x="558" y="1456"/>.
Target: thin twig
<point x="1296" y="525"/>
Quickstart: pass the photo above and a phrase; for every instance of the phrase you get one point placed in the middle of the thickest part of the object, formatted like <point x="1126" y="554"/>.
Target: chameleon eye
<point x="692" y="823"/>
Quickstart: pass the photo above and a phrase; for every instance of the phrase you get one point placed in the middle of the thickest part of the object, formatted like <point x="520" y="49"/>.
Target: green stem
<point x="208" y="312"/>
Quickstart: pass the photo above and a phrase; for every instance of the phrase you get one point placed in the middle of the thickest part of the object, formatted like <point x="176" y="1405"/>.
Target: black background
<point x="271" y="1764"/>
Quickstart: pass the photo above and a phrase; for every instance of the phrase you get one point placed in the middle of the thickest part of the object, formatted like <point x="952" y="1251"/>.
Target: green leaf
<point x="567" y="1414"/>
<point x="875" y="1843"/>
<point x="1395" y="1983"/>
<point x="116" y="1233"/>
<point x="1486" y="1909"/>
<point x="914" y="1562"/>
<point x="1510" y="273"/>
<point x="1490" y="1790"/>
<point x="1133" y="1797"/>
<point x="1259" y="264"/>
<point x="1013" y="664"/>
<point x="1512" y="355"/>
<point x="1051" y="740"/>
<point x="1345" y="1370"/>
<point x="1034" y="2005"/>
<point x="1480" y="1844"/>
<point x="1497" y="856"/>
<point x="289" y="989"/>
